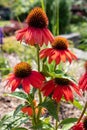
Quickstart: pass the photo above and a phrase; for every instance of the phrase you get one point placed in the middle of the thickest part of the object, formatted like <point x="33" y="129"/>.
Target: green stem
<point x="34" y="116"/>
<point x="30" y="101"/>
<point x="42" y="4"/>
<point x="39" y="93"/>
<point x="57" y="17"/>
<point x="83" y="112"/>
<point x="56" y="125"/>
<point x="38" y="59"/>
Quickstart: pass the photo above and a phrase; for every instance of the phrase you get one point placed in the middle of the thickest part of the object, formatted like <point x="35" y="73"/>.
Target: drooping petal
<point x="15" y="83"/>
<point x="27" y="36"/>
<point x="68" y="55"/>
<point x="20" y="33"/>
<point x="32" y="35"/>
<point x="78" y="126"/>
<point x="58" y="60"/>
<point x="76" y="88"/>
<point x="10" y="76"/>
<point x="83" y="77"/>
<point x="85" y="88"/>
<point x="27" y="110"/>
<point x="50" y="36"/>
<point x="67" y="92"/>
<point x="82" y="86"/>
<point x="26" y="85"/>
<point x="49" y="90"/>
<point x="63" y="56"/>
<point x="36" y="79"/>
<point x="72" y="55"/>
<point x="45" y="52"/>
<point x="47" y="84"/>
<point x="53" y="56"/>
<point x="57" y="94"/>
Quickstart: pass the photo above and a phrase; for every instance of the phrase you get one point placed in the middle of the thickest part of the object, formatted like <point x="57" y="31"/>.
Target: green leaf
<point x="3" y="120"/>
<point x="19" y="128"/>
<point x="67" y="126"/>
<point x="52" y="66"/>
<point x="17" y="109"/>
<point x="59" y="72"/>
<point x="69" y="120"/>
<point x="51" y="107"/>
<point x="20" y="95"/>
<point x="42" y="126"/>
<point x="77" y="104"/>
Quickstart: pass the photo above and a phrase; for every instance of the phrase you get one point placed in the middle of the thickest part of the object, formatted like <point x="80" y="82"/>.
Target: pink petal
<point x="63" y="56"/>
<point x="68" y="56"/>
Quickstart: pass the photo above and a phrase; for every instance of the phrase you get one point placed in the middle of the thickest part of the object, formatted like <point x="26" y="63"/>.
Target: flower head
<point x="60" y="87"/>
<point x="81" y="125"/>
<point x="36" y="32"/>
<point x="29" y="110"/>
<point x="58" y="52"/>
<point x="37" y="18"/>
<point x="25" y="76"/>
<point x="83" y="79"/>
<point x="78" y="126"/>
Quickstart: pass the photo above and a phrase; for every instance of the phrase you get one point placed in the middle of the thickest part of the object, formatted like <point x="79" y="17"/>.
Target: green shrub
<point x="64" y="15"/>
<point x="4" y="66"/>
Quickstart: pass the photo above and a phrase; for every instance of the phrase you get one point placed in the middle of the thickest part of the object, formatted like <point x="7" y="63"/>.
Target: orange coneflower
<point x="25" y="76"/>
<point x="58" y="52"/>
<point x="83" y="79"/>
<point x="37" y="31"/>
<point x="29" y="110"/>
<point x="60" y="87"/>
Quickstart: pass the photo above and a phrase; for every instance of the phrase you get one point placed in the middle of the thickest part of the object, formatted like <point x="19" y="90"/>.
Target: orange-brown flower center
<point x="22" y="70"/>
<point x="37" y="18"/>
<point x="85" y="65"/>
<point x="60" y="43"/>
<point x="62" y="81"/>
<point x="85" y="123"/>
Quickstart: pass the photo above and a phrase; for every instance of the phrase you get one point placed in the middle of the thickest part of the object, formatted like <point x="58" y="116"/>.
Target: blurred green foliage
<point x="4" y="66"/>
<point x="25" y="53"/>
<point x="83" y="44"/>
<point x="64" y="15"/>
<point x="3" y="23"/>
<point x="81" y="27"/>
<point x="20" y="9"/>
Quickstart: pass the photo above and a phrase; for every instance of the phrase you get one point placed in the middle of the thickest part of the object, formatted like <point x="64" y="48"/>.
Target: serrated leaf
<point x="19" y="128"/>
<point x="20" y="95"/>
<point x="51" y="107"/>
<point x="17" y="109"/>
<point x="69" y="120"/>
